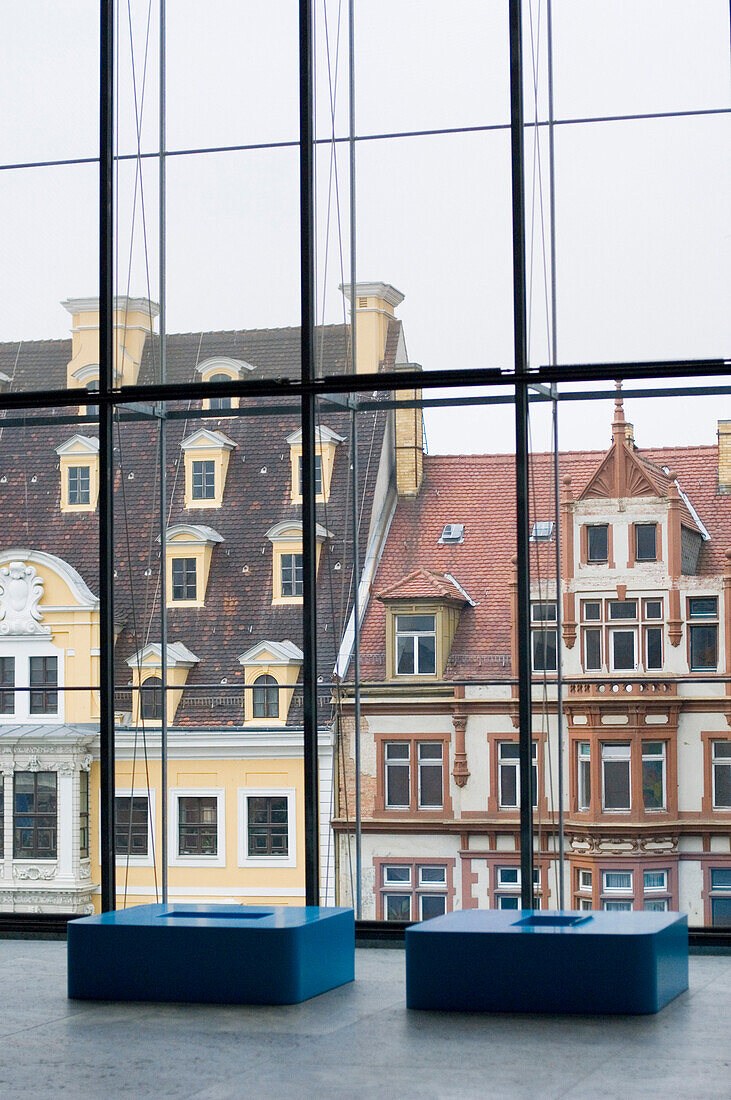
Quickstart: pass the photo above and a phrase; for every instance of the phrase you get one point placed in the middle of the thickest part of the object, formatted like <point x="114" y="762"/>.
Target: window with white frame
<point x="416" y="645"/>
<point x="617" y="890"/>
<point x="721" y="774"/>
<point x="406" y="788"/>
<point x="398" y="774"/>
<point x="197" y="833"/>
<point x="543" y="636"/>
<point x="429" y="763"/>
<point x="653" y="775"/>
<point x="508" y="764"/>
<point x="622" y="635"/>
<point x="654" y="886"/>
<point x="583" y="767"/>
<point x="615" y="777"/>
<point x="508" y="886"/>
<point x="703" y="631"/>
<point x="412" y="892"/>
<point x="267" y="827"/>
<point x="31" y="677"/>
<point x="585" y="879"/>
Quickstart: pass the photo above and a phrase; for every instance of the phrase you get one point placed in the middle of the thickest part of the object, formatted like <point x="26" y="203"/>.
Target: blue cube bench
<point x="226" y="954"/>
<point x="494" y="960"/>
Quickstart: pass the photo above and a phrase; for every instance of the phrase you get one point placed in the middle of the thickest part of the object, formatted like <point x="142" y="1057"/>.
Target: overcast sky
<point x="643" y="210"/>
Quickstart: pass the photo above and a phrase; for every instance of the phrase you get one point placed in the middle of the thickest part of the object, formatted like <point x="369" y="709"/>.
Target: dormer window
<point x="146" y="666"/>
<point x="79" y="466"/>
<point x="189" y="553"/>
<point x="204" y="479"/>
<point x="271" y="670"/>
<point x="326" y="442"/>
<point x="416" y="645"/>
<point x="287" y="563"/>
<point x="207" y="456"/>
<point x="222" y="369"/>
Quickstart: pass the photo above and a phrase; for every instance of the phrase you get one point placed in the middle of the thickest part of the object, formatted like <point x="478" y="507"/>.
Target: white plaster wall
<point x="721" y="844"/>
<point x="690" y="763"/>
<point x="690" y="887"/>
<point x="690" y="844"/>
<point x="481" y="887"/>
<point x="473" y="796"/>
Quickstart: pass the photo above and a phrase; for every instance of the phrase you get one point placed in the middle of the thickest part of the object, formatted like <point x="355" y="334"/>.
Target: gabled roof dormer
<point x="422" y="616"/>
<point x="79" y="466"/>
<point x="206" y="465"/>
<point x="271" y="670"/>
<point x="326" y="442"/>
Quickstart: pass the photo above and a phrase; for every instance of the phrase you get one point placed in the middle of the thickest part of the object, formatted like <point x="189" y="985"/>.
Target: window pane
<point x="623" y="609"/>
<point x="700" y="607"/>
<point x="721" y="878"/>
<point x="432" y="905"/>
<point x="508" y="902"/>
<point x="645" y="535"/>
<point x="592" y="610"/>
<point x="433" y="874"/>
<point x="721" y="912"/>
<point x="405" y="655"/>
<point x="653" y="784"/>
<point x="593" y="649"/>
<point x="656" y="880"/>
<point x="722" y="786"/>
<point x="653" y="609"/>
<point x="413" y="623"/>
<point x="427" y="655"/>
<point x="616" y="784"/>
<point x="509" y="785"/>
<point x="397" y="874"/>
<point x="703" y="647"/>
<point x="653" y="650"/>
<point x="598" y="542"/>
<point x="623" y="650"/>
<point x="618" y="880"/>
<point x="544" y="650"/>
<point x="430" y="783"/>
<point x="397" y="785"/>
<point x="397" y="906"/>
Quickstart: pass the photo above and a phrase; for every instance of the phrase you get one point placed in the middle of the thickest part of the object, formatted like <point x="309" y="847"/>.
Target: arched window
<point x="266" y="697"/>
<point x="220" y="402"/>
<point x="93" y="387"/>
<point x="151" y="698"/>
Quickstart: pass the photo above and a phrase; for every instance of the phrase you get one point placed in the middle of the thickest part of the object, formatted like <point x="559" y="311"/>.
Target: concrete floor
<point x="357" y="1041"/>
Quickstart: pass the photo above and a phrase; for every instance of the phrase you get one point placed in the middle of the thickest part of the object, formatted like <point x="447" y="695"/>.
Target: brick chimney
<point x="374" y="305"/>
<point x="409" y="431"/>
<point x="133" y="319"/>
<point x="724" y="456"/>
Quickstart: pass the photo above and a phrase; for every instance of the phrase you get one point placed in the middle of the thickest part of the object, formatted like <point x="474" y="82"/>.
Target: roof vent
<point x="542" y="531"/>
<point x="453" y="532"/>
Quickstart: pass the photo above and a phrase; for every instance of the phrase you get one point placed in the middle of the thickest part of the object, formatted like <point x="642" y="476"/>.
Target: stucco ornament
<point x="21" y="590"/>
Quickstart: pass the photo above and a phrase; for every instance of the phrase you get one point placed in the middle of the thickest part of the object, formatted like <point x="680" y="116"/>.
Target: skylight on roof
<point x="542" y="531"/>
<point x="453" y="532"/>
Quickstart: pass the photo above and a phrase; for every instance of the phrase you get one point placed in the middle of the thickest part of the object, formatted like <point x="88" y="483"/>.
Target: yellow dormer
<point x="206" y="464"/>
<point x="133" y="320"/>
<point x="146" y="665"/>
<point x="222" y="369"/>
<point x="287" y="574"/>
<point x="188" y="559"/>
<point x="271" y="670"/>
<point x="325" y="443"/>
<point x="79" y="465"/>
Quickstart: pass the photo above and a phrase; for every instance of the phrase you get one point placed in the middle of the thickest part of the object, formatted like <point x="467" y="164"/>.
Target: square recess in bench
<point x="494" y="960"/>
<point x="226" y="954"/>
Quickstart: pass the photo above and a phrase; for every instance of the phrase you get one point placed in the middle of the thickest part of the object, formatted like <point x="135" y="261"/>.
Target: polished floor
<point x="357" y="1041"/>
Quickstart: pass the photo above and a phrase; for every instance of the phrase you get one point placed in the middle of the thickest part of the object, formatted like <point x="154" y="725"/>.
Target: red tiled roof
<point x="479" y="492"/>
<point x="423" y="583"/>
